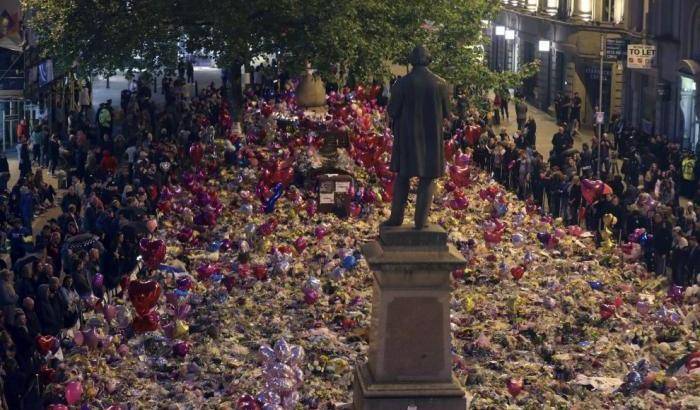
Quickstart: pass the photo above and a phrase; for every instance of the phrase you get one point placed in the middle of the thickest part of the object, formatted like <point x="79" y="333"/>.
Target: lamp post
<point x="499" y="31"/>
<point x="509" y="36"/>
<point x="600" y="101"/>
<point x="545" y="46"/>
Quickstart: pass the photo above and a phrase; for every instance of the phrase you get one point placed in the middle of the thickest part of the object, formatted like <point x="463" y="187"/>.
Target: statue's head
<point x="420" y="56"/>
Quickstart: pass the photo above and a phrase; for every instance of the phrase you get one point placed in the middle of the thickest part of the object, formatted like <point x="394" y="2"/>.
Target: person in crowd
<point x="520" y="113"/>
<point x="37" y="143"/>
<point x="25" y="161"/>
<point x="575" y="118"/>
<point x="22" y="338"/>
<point x="505" y="100"/>
<point x="49" y="311"/>
<point x="531" y="132"/>
<point x="8" y="296"/>
<point x="688" y="218"/>
<point x="691" y="263"/>
<point x="70" y="303"/>
<point x="663" y="239"/>
<point x="33" y="323"/>
<point x="26" y="285"/>
<point x="565" y="109"/>
<point x="190" y="72"/>
<point x="689" y="177"/>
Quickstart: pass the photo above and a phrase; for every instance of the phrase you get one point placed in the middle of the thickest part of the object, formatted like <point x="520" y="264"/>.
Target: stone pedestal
<point x="311" y="92"/>
<point x="410" y="363"/>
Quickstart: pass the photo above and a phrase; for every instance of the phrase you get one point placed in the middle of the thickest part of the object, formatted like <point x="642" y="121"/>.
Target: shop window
<point x="611" y="11"/>
<point x="690" y="124"/>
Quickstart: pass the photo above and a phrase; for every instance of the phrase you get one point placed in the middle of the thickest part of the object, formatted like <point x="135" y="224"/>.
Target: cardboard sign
<point x="333" y="193"/>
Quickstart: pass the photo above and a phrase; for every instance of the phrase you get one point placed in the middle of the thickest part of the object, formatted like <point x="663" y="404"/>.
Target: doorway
<point x="690" y="123"/>
<point x="530" y="83"/>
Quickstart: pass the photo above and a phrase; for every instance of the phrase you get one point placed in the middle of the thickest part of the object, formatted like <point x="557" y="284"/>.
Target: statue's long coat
<point x="419" y="103"/>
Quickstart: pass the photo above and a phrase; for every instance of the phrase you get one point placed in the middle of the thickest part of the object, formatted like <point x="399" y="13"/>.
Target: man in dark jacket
<point x="24" y="341"/>
<point x="4" y="172"/>
<point x="418" y="107"/>
<point x="663" y="238"/>
<point x="692" y="261"/>
<point x="33" y="324"/>
<point x="49" y="311"/>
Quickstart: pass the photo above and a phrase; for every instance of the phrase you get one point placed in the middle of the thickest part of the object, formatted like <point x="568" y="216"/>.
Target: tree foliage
<point x="357" y="37"/>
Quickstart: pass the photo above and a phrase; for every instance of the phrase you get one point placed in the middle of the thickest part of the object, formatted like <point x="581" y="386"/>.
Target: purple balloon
<point x="98" y="280"/>
<point x="267" y="354"/>
<point x="269" y="397"/>
<point x="282" y="350"/>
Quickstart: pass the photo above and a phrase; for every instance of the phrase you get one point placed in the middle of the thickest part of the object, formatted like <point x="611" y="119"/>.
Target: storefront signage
<point x="641" y="56"/>
<point x="615" y="48"/>
<point x="663" y="90"/>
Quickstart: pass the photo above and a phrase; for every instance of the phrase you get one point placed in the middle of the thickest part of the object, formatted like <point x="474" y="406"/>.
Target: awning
<point x="11" y="95"/>
<point x="690" y="68"/>
<point x="8" y="43"/>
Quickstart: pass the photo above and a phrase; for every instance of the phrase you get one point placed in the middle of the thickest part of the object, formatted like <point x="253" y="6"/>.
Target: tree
<point x="357" y="37"/>
<point x="105" y="35"/>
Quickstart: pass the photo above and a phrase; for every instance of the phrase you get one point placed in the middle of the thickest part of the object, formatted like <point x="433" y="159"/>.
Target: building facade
<point x="568" y="37"/>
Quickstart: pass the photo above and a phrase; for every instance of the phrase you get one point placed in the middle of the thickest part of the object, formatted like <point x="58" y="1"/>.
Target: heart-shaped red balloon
<point x="354" y="209"/>
<point x="47" y="374"/>
<point x="144" y="295"/>
<point x="591" y="190"/>
<point x="146" y="323"/>
<point x="46" y="344"/>
<point x="300" y="244"/>
<point x="492" y="237"/>
<point x="153" y="252"/>
<point x="260" y="271"/>
<point x="185" y="235"/>
<point x="517" y="272"/>
<point x="606" y="311"/>
<point x="196" y="153"/>
<point x="515" y="386"/>
<point x="266" y="110"/>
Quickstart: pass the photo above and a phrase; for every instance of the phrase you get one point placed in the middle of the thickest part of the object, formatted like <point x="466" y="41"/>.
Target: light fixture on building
<point x="510" y="34"/>
<point x="545" y="45"/>
<point x="500" y="30"/>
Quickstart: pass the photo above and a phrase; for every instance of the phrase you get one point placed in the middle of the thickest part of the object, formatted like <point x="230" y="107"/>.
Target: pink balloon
<point x="78" y="338"/>
<point x="98" y="280"/>
<point x="110" y="312"/>
<point x="91" y="338"/>
<point x="74" y="391"/>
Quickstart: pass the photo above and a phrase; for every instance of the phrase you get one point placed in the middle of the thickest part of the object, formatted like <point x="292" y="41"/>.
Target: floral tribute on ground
<point x="241" y="260"/>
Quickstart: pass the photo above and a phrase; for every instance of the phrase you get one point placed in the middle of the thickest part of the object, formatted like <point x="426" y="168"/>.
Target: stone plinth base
<point x="409" y="362"/>
<point x="371" y="395"/>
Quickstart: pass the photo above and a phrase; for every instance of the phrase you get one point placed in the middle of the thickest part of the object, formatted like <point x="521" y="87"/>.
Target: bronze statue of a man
<point x="419" y="103"/>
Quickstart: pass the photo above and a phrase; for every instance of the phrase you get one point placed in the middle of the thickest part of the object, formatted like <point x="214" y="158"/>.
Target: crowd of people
<point x="115" y="172"/>
<point x="650" y="182"/>
<point x="79" y="258"/>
